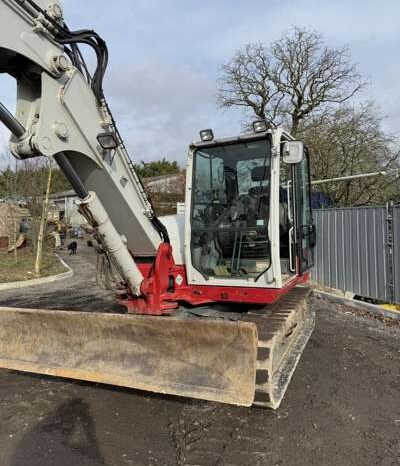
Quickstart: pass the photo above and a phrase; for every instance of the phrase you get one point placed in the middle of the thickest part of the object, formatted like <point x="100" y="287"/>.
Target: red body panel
<point x="165" y="286"/>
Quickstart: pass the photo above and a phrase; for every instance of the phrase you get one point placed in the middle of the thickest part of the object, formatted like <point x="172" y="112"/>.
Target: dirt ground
<point x="342" y="406"/>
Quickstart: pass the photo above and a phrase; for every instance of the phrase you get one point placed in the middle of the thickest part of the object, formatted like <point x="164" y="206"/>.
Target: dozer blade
<point x="246" y="362"/>
<point x="207" y="359"/>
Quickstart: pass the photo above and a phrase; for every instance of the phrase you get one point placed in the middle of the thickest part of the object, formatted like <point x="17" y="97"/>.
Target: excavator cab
<point x="230" y="209"/>
<point x="248" y="212"/>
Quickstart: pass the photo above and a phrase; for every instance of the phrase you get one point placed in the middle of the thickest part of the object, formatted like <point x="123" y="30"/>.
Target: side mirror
<point x="293" y="152"/>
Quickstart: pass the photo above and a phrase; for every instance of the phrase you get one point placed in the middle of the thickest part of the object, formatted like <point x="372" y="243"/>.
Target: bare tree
<point x="246" y="81"/>
<point x="350" y="141"/>
<point x="289" y="80"/>
<point x="33" y="189"/>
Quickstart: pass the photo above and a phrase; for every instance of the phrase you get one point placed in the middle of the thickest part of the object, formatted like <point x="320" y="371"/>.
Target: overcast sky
<point x="166" y="55"/>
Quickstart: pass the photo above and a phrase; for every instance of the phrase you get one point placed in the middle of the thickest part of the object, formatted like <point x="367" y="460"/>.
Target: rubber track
<point x="270" y="322"/>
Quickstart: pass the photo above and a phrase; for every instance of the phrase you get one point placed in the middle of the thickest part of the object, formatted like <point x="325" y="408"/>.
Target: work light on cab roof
<point x="260" y="126"/>
<point x="206" y="135"/>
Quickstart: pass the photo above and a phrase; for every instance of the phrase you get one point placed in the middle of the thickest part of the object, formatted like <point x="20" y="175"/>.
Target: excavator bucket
<point x="246" y="362"/>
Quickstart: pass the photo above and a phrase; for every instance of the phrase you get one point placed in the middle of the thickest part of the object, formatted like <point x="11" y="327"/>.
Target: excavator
<point x="216" y="300"/>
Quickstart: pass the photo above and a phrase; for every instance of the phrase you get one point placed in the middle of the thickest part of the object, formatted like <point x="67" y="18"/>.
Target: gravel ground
<point x="342" y="406"/>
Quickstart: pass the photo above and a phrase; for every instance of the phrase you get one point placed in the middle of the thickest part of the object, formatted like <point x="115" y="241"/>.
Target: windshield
<point x="230" y="209"/>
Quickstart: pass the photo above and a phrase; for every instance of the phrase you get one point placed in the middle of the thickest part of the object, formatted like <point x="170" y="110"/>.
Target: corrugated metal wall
<point x="396" y="253"/>
<point x="352" y="254"/>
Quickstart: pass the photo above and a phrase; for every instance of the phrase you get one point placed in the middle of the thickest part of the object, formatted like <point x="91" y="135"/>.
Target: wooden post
<point x="14" y="209"/>
<point x="42" y="227"/>
<point x="15" y="237"/>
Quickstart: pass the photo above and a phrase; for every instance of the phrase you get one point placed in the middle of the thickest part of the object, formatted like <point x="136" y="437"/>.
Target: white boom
<point x="63" y="118"/>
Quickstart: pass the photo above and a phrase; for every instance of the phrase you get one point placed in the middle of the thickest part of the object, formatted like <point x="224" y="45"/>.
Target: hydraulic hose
<point x="71" y="175"/>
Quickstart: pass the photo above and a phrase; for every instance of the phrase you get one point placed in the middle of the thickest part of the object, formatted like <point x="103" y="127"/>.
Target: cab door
<point x="304" y="226"/>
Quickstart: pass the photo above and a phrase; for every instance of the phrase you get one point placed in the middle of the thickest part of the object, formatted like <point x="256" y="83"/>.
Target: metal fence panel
<point x="351" y="252"/>
<point x="396" y="253"/>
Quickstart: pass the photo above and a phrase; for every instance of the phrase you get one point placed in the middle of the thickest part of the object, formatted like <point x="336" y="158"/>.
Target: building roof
<point x="63" y="194"/>
<point x="165" y="183"/>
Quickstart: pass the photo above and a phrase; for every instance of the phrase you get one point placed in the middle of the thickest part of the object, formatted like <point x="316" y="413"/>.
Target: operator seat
<point x="256" y="202"/>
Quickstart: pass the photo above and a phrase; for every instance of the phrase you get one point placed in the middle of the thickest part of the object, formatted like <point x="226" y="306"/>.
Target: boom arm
<point x="62" y="113"/>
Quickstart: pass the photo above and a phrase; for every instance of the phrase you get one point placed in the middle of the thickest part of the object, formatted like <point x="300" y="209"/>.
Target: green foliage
<point x="59" y="183"/>
<point x="157" y="168"/>
<point x="13" y="183"/>
<point x="7" y="181"/>
<point x="24" y="179"/>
